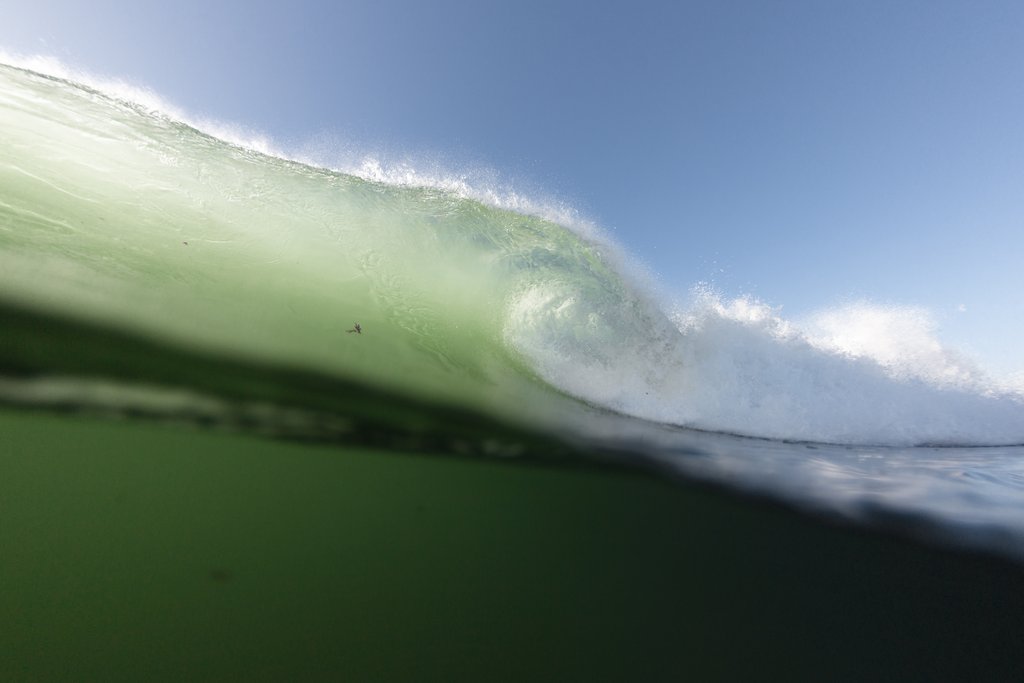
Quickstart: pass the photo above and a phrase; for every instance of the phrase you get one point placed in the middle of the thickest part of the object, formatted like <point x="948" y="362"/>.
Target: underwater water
<point x="206" y="471"/>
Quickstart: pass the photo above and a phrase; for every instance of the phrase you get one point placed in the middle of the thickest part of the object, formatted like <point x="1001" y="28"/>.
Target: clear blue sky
<point x="808" y="153"/>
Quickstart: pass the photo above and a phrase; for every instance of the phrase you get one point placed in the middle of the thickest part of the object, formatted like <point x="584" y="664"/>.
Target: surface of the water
<point x="121" y="226"/>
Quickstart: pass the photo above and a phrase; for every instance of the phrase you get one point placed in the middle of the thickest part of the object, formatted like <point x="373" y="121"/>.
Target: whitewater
<point x="118" y="209"/>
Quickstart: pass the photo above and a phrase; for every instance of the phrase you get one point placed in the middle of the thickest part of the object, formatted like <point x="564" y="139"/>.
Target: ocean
<point x="264" y="419"/>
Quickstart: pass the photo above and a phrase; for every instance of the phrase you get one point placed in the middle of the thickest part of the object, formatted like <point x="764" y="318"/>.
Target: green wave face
<point x="130" y="218"/>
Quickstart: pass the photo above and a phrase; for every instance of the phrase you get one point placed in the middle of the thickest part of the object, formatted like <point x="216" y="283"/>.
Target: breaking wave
<point x="118" y="207"/>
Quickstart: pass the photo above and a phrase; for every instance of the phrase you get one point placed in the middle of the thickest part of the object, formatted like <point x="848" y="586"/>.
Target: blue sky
<point x="807" y="153"/>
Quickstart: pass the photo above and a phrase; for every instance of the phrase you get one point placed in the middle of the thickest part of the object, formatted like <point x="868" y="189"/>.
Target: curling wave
<point x="113" y="208"/>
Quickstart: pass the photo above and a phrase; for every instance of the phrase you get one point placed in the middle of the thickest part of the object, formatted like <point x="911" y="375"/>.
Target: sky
<point x="809" y="154"/>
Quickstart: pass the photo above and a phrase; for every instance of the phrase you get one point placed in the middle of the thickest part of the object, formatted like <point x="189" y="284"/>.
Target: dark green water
<point x="143" y="552"/>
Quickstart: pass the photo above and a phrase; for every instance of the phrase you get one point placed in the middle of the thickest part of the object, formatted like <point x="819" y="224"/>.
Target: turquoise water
<point x="152" y="270"/>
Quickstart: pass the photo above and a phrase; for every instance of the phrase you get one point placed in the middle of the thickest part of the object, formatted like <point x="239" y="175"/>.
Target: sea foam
<point x="858" y="374"/>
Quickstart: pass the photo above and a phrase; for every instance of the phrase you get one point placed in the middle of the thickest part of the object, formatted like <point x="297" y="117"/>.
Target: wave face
<point x="112" y="210"/>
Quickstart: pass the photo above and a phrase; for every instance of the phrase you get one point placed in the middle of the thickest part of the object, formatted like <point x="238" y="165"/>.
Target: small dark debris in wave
<point x="357" y="329"/>
<point x="185" y="243"/>
<point x="221" y="575"/>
